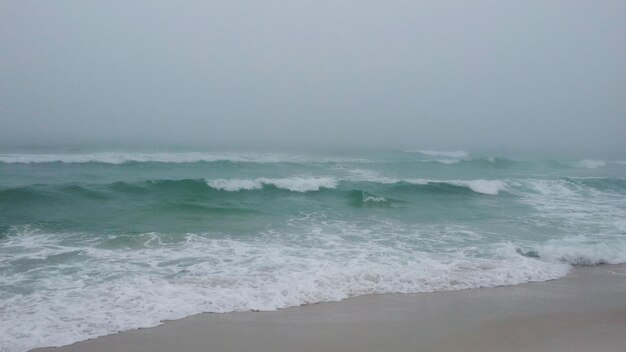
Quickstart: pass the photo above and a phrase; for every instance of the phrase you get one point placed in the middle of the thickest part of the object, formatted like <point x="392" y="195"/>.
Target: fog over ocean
<point x="160" y="159"/>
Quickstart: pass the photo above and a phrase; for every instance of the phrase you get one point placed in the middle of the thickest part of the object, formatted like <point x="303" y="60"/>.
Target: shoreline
<point x="584" y="311"/>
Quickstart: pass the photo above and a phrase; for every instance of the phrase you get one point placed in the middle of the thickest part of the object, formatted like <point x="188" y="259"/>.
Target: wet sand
<point x="585" y="311"/>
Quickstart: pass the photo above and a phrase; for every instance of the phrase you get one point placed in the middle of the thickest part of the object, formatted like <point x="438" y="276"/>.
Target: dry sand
<point x="585" y="311"/>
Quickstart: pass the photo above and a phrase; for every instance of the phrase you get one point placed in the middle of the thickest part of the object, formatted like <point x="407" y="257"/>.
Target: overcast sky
<point x="525" y="75"/>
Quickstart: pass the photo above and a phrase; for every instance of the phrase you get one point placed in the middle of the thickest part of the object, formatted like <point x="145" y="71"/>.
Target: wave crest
<point x="489" y="187"/>
<point x="294" y="184"/>
<point x="439" y="153"/>
<point x="591" y="164"/>
<point x="580" y="250"/>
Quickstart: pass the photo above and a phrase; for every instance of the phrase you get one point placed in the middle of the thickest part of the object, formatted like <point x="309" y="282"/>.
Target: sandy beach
<point x="585" y="311"/>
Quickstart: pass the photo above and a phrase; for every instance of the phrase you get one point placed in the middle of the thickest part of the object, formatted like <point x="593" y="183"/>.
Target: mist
<point x="491" y="75"/>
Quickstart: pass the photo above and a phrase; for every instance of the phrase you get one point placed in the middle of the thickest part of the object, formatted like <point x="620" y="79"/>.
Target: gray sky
<point x="525" y="75"/>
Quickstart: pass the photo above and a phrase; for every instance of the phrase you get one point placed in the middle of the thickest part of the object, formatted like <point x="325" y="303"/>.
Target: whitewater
<point x="94" y="242"/>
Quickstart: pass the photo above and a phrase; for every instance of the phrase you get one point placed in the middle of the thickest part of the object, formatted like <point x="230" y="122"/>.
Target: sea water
<point x="96" y="242"/>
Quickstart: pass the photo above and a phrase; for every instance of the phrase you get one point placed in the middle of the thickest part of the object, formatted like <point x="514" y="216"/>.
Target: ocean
<point x="96" y="242"/>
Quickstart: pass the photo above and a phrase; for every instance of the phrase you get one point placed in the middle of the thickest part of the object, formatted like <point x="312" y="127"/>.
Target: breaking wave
<point x="294" y="184"/>
<point x="459" y="154"/>
<point x="580" y="250"/>
<point x="166" y="279"/>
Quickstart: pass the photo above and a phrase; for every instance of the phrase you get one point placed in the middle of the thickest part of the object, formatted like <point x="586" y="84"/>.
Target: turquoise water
<point x="97" y="242"/>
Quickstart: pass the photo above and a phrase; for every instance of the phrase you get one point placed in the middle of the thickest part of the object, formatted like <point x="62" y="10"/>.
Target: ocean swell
<point x="168" y="157"/>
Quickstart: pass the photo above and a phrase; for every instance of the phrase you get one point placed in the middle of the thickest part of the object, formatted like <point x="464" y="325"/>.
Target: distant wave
<point x="494" y="162"/>
<point x="189" y="157"/>
<point x="436" y="153"/>
<point x="442" y="161"/>
<point x="444" y="158"/>
<point x="591" y="164"/>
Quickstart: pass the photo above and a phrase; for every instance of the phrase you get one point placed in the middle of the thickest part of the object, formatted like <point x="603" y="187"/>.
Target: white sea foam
<point x="583" y="210"/>
<point x="171" y="157"/>
<point x="489" y="187"/>
<point x="235" y="185"/>
<point x="302" y="184"/>
<point x="374" y="199"/>
<point x="459" y="154"/>
<point x="582" y="250"/>
<point x="306" y="184"/>
<point x="295" y="184"/>
<point x="110" y="290"/>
